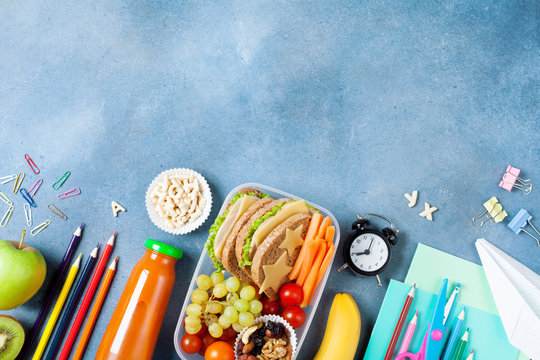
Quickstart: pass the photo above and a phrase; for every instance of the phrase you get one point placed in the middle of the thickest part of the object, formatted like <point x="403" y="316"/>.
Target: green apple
<point x="22" y="273"/>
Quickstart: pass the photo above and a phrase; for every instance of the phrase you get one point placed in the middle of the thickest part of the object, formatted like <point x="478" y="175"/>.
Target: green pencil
<point x="460" y="349"/>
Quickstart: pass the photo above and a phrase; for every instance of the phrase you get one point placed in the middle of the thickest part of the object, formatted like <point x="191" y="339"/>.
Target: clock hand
<point x="371" y="243"/>
<point x="365" y="252"/>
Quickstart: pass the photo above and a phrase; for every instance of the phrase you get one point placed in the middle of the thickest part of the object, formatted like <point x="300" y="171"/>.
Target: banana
<point x="342" y="330"/>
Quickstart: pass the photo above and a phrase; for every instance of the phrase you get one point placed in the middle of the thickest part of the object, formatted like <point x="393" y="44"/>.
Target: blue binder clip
<point x="519" y="222"/>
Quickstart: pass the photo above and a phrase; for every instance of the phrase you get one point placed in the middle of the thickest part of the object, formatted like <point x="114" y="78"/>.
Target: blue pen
<point x="455" y="335"/>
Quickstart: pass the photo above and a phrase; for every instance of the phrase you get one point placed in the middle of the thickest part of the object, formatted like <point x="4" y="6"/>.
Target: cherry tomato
<point x="294" y="316"/>
<point x="207" y="340"/>
<point x="191" y="343"/>
<point x="291" y="294"/>
<point x="228" y="334"/>
<point x="220" y="350"/>
<point x="269" y="307"/>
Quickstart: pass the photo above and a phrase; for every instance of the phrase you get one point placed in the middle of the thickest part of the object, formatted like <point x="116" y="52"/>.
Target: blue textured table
<point x="348" y="104"/>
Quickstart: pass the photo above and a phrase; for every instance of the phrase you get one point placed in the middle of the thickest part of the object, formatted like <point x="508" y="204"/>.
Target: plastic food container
<point x="205" y="266"/>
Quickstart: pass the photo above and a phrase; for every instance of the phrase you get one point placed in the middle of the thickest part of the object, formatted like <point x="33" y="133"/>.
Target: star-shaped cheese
<point x="275" y="272"/>
<point x="293" y="239"/>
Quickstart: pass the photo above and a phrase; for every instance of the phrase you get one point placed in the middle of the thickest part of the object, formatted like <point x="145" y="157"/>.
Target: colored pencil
<point x="74" y="298"/>
<point x="51" y="292"/>
<point x="96" y="308"/>
<point x="450" y="303"/>
<point x="455" y="335"/>
<point x="49" y="327"/>
<point x="471" y="355"/>
<point x="75" y="327"/>
<point x="408" y="335"/>
<point x="461" y="346"/>
<point x="399" y="325"/>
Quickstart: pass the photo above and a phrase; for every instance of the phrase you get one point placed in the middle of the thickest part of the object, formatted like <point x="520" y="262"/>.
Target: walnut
<point x="274" y="349"/>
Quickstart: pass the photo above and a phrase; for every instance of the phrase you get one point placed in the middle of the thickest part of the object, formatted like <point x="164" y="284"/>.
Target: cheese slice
<point x="293" y="239"/>
<point x="273" y="273"/>
<point x="235" y="211"/>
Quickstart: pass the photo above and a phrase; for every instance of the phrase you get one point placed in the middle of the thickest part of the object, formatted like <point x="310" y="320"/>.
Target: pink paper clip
<point x="512" y="180"/>
<point x="32" y="164"/>
<point x="73" y="192"/>
<point x="35" y="187"/>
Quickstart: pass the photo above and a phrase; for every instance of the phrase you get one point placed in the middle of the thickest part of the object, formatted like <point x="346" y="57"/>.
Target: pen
<point x="450" y="303"/>
<point x="408" y="335"/>
<point x="454" y="336"/>
<point x="461" y="346"/>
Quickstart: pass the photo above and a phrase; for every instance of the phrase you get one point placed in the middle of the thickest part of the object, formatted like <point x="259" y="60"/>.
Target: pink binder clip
<point x="512" y="180"/>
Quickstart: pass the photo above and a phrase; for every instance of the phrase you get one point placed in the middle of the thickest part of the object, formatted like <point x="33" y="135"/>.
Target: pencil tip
<point x="81" y="226"/>
<point x="114" y="234"/>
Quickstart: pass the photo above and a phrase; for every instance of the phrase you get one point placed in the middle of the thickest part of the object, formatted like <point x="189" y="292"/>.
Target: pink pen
<point x="408" y="335"/>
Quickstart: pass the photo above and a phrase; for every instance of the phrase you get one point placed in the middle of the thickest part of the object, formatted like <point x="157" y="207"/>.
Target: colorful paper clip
<point x="61" y="181"/>
<point x="511" y="176"/>
<point x="28" y="214"/>
<point x="8" y="178"/>
<point x="35" y="187"/>
<point x="32" y="164"/>
<point x="521" y="220"/>
<point x="70" y="193"/>
<point x="494" y="212"/>
<point x="18" y="181"/>
<point x="40" y="227"/>
<point x="26" y="196"/>
<point x="57" y="212"/>
<point x="6" y="217"/>
<point x="5" y="199"/>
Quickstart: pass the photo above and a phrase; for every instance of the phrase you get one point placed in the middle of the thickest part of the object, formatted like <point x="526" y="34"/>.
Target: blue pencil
<point x="63" y="323"/>
<point x="455" y="335"/>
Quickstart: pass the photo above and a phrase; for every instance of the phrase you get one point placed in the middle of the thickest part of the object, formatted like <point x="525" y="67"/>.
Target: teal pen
<point x="455" y="335"/>
<point x="461" y="346"/>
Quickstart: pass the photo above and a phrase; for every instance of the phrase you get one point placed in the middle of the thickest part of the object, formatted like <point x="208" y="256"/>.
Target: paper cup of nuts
<point x="178" y="201"/>
<point x="269" y="338"/>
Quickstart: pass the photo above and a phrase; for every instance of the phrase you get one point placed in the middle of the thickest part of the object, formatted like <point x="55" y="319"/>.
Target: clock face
<point x="369" y="252"/>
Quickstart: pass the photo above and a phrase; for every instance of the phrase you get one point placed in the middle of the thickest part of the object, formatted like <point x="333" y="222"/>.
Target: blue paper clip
<point x="61" y="181"/>
<point x="26" y="196"/>
<point x="521" y="220"/>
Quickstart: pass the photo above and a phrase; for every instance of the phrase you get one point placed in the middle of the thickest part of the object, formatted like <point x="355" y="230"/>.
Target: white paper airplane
<point x="516" y="290"/>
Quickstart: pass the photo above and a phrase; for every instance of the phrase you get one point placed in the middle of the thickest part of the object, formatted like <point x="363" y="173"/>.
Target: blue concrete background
<point x="348" y="104"/>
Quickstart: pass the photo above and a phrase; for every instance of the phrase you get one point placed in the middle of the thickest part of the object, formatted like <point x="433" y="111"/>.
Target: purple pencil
<point x="51" y="291"/>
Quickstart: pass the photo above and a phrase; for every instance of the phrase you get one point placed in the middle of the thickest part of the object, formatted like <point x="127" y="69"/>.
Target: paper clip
<point x="73" y="192"/>
<point x="521" y="220"/>
<point x="8" y="178"/>
<point x="57" y="212"/>
<point x="5" y="199"/>
<point x="31" y="163"/>
<point x="27" y="197"/>
<point x="511" y="176"/>
<point x="40" y="227"/>
<point x="28" y="214"/>
<point x="61" y="181"/>
<point x="35" y="187"/>
<point x="18" y="181"/>
<point x="6" y="217"/>
<point x="494" y="212"/>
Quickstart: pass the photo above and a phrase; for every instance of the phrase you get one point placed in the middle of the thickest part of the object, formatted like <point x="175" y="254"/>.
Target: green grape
<point x="194" y="310"/>
<point x="224" y="321"/>
<point x="217" y="278"/>
<point x="192" y="321"/>
<point x="255" y="306"/>
<point x="256" y="315"/>
<point x="210" y="319"/>
<point x="214" y="308"/>
<point x="220" y="290"/>
<point x="247" y="293"/>
<point x="204" y="282"/>
<point x="215" y="330"/>
<point x="199" y="296"/>
<point x="233" y="284"/>
<point x="231" y="314"/>
<point x="246" y="319"/>
<point x="243" y="284"/>
<point x="241" y="305"/>
<point x="193" y="329"/>
<point x="237" y="327"/>
<point x="232" y="297"/>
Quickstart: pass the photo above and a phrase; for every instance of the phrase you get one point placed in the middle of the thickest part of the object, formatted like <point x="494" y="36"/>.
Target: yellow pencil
<point x="57" y="309"/>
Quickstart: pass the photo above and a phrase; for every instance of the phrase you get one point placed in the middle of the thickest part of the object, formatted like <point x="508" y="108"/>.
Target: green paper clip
<point x="61" y="181"/>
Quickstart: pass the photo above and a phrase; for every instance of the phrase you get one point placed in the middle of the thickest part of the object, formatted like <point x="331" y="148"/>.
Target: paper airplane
<point x="516" y="290"/>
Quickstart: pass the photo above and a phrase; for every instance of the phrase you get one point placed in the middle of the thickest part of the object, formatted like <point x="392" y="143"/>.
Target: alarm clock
<point x="368" y="251"/>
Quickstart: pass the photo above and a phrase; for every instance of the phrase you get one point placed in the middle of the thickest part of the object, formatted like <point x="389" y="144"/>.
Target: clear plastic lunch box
<point x="205" y="266"/>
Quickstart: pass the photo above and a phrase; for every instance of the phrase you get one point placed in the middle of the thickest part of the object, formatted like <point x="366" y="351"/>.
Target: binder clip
<point x="494" y="213"/>
<point x="512" y="180"/>
<point x="521" y="220"/>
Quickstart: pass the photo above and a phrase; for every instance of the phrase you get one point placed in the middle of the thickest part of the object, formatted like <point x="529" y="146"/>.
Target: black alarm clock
<point x="368" y="251"/>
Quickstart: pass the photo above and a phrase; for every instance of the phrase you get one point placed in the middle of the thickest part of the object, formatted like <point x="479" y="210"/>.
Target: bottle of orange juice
<point x="134" y="326"/>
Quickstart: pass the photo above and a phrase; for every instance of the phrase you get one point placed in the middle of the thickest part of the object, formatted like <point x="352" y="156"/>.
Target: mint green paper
<point x="487" y="334"/>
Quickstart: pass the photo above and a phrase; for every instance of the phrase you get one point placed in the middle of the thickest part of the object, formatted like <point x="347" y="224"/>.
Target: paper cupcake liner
<point x="238" y="345"/>
<point x="161" y="222"/>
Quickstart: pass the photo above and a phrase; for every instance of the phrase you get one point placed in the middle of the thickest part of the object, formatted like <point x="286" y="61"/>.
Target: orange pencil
<point x="94" y="313"/>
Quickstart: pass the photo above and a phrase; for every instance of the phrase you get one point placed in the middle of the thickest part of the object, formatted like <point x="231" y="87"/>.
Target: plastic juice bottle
<point x="134" y="326"/>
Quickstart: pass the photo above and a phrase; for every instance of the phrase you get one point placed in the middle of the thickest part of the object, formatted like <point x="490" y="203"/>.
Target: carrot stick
<point x="326" y="262"/>
<point x="313" y="247"/>
<point x="329" y="236"/>
<point x="311" y="281"/>
<point x="312" y="231"/>
<point x="322" y="228"/>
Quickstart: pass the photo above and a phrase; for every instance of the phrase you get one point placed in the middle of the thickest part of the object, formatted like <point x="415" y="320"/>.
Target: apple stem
<point x="22" y="239"/>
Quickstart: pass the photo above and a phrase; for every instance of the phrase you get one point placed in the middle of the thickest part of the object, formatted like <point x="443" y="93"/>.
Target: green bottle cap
<point x="163" y="248"/>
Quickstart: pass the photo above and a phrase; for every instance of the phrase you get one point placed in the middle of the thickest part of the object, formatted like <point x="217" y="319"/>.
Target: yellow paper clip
<point x="5" y="199"/>
<point x="40" y="227"/>
<point x="57" y="212"/>
<point x="494" y="212"/>
<point x="6" y="217"/>
<point x="18" y="181"/>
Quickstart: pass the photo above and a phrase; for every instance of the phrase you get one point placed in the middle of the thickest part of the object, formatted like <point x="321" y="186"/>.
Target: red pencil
<point x="399" y="325"/>
<point x="73" y="332"/>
